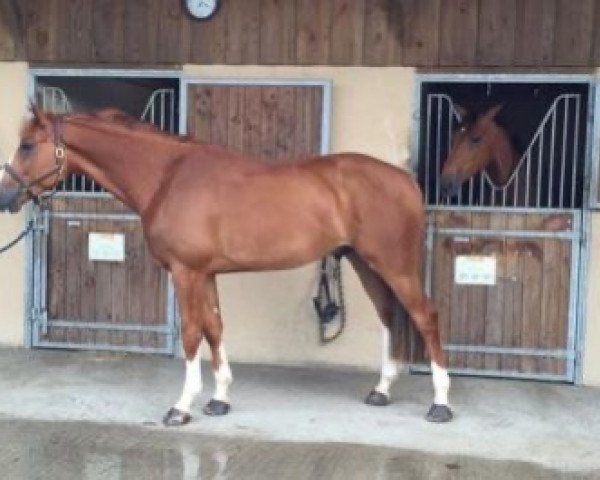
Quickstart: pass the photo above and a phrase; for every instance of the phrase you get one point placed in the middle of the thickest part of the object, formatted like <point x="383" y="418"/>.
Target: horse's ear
<point x="463" y="113"/>
<point x="39" y="116"/>
<point x="492" y="112"/>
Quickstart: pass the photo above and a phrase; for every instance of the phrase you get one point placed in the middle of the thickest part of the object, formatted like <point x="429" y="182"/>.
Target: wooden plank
<point x="347" y="31"/>
<point x="420" y="32"/>
<point x="243" y="33"/>
<point x="7" y="39"/>
<point x="532" y="261"/>
<point x="595" y="60"/>
<point x="219" y="107"/>
<point x="77" y="22"/>
<point x="173" y="32"/>
<point x="136" y="264"/>
<point x="40" y="35"/>
<point x="57" y="271"/>
<point x="103" y="282"/>
<point x="209" y="39"/>
<point x="74" y="238"/>
<point x="477" y="296"/>
<point x="513" y="294"/>
<point x="107" y="31"/>
<point x="88" y="275"/>
<point x="534" y="32"/>
<point x="551" y="315"/>
<point x="496" y="40"/>
<point x="458" y="32"/>
<point x="13" y="24"/>
<point x="382" y="33"/>
<point x="236" y="114"/>
<point x="313" y="44"/>
<point x="314" y="115"/>
<point x="301" y="133"/>
<point x="561" y="329"/>
<point x="460" y="308"/>
<point x="277" y="32"/>
<point x="284" y="141"/>
<point x="574" y="32"/>
<point x="268" y="122"/>
<point x="141" y="31"/>
<point x="199" y="113"/>
<point x="252" y="121"/>
<point x="442" y="281"/>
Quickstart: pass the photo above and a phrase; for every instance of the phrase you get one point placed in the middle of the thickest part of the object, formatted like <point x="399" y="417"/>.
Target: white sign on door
<point x="475" y="270"/>
<point x="106" y="247"/>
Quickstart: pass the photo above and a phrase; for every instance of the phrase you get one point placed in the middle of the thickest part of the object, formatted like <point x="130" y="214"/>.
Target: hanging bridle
<point x="60" y="154"/>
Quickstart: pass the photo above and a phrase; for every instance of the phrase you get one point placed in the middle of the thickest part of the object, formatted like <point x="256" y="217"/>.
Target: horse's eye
<point x="26" y="147"/>
<point x="475" y="139"/>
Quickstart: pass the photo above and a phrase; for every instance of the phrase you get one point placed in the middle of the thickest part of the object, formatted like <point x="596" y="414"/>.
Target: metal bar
<point x="495" y="373"/>
<point x="102" y="347"/>
<point x="575" y="151"/>
<point x="438" y="152"/>
<point x="476" y="232"/>
<point x="564" y="153"/>
<point x="428" y="155"/>
<point x="528" y="178"/>
<point x="528" y="352"/>
<point x="540" y="166"/>
<point x="126" y="217"/>
<point x="489" y="209"/>
<point x="125" y="327"/>
<point x="573" y="292"/>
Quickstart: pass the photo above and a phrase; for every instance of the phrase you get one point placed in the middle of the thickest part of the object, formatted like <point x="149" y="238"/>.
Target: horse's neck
<point x="130" y="165"/>
<point x="504" y="160"/>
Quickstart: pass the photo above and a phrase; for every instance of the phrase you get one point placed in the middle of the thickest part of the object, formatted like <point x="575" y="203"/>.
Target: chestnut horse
<point x="481" y="145"/>
<point x="206" y="211"/>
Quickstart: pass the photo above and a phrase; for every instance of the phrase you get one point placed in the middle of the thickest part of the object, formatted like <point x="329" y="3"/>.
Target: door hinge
<point x="39" y="317"/>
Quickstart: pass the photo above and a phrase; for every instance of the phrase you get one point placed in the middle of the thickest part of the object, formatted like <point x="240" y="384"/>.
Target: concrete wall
<point x="269" y="317"/>
<point x="13" y="102"/>
<point x="591" y="358"/>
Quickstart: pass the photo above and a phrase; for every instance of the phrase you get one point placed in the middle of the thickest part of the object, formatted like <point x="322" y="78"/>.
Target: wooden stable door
<point x="519" y="322"/>
<point x="272" y="123"/>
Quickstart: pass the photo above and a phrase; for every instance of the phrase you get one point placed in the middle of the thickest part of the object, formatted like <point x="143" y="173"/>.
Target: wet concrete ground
<point x="76" y="450"/>
<point x="99" y="413"/>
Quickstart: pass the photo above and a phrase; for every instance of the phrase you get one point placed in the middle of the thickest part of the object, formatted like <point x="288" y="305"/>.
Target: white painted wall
<point x="13" y="103"/>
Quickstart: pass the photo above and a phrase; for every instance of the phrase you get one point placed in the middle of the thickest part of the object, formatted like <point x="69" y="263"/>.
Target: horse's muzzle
<point x="8" y="199"/>
<point x="449" y="186"/>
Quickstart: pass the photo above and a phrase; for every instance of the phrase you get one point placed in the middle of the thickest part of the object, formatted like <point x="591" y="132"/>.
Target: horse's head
<point x="474" y="147"/>
<point x="38" y="164"/>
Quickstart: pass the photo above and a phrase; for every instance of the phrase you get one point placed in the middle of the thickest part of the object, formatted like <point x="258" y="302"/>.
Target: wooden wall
<point x="338" y="32"/>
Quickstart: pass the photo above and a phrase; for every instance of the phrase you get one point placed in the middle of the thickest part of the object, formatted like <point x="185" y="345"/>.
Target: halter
<point x="60" y="154"/>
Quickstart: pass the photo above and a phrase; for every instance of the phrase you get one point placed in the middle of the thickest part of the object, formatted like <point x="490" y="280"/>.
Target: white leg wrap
<point x="223" y="378"/>
<point x="389" y="367"/>
<point x="441" y="384"/>
<point x="192" y="385"/>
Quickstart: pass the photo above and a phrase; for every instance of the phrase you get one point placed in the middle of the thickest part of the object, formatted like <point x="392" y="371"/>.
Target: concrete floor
<point x="305" y="418"/>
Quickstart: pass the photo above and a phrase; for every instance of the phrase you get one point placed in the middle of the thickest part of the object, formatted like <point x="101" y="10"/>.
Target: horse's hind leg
<point x="383" y="299"/>
<point x="410" y="293"/>
<point x="213" y="331"/>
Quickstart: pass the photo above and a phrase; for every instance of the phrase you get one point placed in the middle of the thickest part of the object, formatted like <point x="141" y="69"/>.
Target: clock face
<point x="202" y="9"/>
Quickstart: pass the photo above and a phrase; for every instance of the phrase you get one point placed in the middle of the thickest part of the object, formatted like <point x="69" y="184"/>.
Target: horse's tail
<point x="400" y="333"/>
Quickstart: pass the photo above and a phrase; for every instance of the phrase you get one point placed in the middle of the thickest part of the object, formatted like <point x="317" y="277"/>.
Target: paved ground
<point x="285" y="423"/>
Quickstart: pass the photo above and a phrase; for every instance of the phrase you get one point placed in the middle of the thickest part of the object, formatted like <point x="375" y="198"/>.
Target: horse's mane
<point x="118" y="117"/>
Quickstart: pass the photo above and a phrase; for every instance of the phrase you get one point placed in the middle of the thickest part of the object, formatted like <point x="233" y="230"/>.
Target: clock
<point x="201" y="9"/>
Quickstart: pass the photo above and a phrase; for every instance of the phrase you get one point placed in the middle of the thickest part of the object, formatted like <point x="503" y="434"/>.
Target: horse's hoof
<point x="176" y="418"/>
<point x="216" y="408"/>
<point x="439" y="414"/>
<point x="377" y="399"/>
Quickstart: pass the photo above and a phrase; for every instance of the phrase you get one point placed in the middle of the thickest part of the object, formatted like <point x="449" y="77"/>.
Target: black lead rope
<point x="18" y="238"/>
<point x="329" y="300"/>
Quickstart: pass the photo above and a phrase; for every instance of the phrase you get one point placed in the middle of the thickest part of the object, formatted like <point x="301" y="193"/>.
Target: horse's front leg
<point x="192" y="295"/>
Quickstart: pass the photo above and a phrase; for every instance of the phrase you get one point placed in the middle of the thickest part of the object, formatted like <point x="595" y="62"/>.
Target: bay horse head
<point x="480" y="144"/>
<point x="38" y="164"/>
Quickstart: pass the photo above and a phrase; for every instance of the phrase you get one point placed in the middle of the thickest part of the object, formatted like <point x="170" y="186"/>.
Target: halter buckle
<point x="59" y="152"/>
